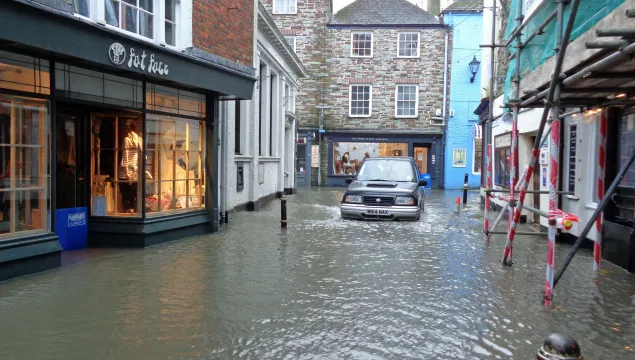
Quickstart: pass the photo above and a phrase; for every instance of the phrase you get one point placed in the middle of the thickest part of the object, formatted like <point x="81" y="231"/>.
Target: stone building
<point x="376" y="86"/>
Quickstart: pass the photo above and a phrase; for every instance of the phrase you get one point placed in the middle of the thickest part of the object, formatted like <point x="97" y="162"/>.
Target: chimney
<point x="434" y="7"/>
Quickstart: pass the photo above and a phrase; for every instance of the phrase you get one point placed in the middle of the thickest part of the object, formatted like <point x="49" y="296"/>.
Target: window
<point x="237" y="120"/>
<point x="170" y="21"/>
<point x="291" y="41"/>
<point x="24" y="73"/>
<point x="82" y="7"/>
<point x="502" y="157"/>
<point x="360" y="101"/>
<point x="408" y="45"/>
<point x="477" y="162"/>
<point x="348" y="156"/>
<point x="407" y="99"/>
<point x="135" y="16"/>
<point x="285" y="6"/>
<point x="573" y="140"/>
<point x="261" y="83"/>
<point x="24" y="151"/>
<point x="362" y="44"/>
<point x="273" y="91"/>
<point x="175" y="173"/>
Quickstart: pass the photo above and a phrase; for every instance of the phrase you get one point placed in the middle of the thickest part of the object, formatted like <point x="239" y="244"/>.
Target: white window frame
<point x="350" y="100"/>
<point x="418" y="44"/>
<point x="372" y="44"/>
<point x="275" y="8"/>
<point x="295" y="41"/>
<point x="416" y="115"/>
<point x="474" y="140"/>
<point x="98" y="15"/>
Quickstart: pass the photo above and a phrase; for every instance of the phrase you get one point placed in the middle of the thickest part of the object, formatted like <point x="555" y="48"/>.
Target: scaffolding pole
<point x="597" y="247"/>
<point x="561" y="50"/>
<point x="488" y="124"/>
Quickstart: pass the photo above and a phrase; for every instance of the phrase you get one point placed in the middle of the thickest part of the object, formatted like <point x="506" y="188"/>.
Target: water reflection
<point x="324" y="288"/>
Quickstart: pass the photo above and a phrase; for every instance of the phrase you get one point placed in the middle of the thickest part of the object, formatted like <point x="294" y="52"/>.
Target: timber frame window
<point x="407" y="101"/>
<point x="285" y="6"/>
<point x="360" y="100"/>
<point x="362" y="44"/>
<point x="408" y="45"/>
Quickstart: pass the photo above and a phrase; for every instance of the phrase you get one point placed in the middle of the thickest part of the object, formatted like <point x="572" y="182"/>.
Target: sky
<point x="338" y="4"/>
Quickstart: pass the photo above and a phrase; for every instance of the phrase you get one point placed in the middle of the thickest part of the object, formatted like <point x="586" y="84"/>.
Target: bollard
<point x="457" y="206"/>
<point x="559" y="347"/>
<point x="465" y="189"/>
<point x="283" y="212"/>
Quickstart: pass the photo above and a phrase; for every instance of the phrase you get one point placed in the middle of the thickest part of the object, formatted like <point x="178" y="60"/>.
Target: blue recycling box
<point x="428" y="178"/>
<point x="71" y="225"/>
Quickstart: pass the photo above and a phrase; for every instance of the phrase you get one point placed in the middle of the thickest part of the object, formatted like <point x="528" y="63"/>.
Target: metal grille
<point x="383" y="200"/>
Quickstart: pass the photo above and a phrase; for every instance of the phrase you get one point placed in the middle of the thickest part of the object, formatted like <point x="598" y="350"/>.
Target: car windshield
<point x="386" y="170"/>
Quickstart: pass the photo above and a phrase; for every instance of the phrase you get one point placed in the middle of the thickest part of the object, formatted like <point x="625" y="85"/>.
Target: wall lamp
<point x="474" y="65"/>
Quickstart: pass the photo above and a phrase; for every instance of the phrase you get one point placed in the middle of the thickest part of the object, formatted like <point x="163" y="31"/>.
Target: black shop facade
<point x="105" y="140"/>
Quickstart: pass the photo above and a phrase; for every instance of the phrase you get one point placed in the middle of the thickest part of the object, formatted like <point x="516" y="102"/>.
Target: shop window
<point x="175" y="101"/>
<point x="360" y="100"/>
<point x="348" y="156"/>
<point x="174" y="163"/>
<point x="24" y="173"/>
<point x="477" y="161"/>
<point x="95" y="86"/>
<point x="502" y="157"/>
<point x="407" y="98"/>
<point x="24" y="73"/>
<point x="572" y="158"/>
<point x="117" y="150"/>
<point x="82" y="7"/>
<point x="237" y="129"/>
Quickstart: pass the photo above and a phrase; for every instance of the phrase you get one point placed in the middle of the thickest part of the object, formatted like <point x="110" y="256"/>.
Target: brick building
<point x="116" y="109"/>
<point x="377" y="84"/>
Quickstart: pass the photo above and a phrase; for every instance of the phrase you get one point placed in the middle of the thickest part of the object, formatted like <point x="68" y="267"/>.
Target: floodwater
<point x="322" y="289"/>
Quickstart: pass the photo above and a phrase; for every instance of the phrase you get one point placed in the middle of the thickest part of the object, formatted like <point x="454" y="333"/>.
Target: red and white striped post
<point x="513" y="162"/>
<point x="554" y="143"/>
<point x="597" y="248"/>
<point x="488" y="185"/>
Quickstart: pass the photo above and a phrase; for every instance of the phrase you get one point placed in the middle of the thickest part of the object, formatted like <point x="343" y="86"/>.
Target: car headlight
<point x="402" y="200"/>
<point x="353" y="199"/>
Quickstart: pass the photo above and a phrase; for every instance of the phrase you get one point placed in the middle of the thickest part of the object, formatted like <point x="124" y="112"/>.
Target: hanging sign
<point x="138" y="60"/>
<point x="315" y="156"/>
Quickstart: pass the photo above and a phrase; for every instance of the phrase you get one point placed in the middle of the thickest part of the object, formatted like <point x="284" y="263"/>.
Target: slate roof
<point x="383" y="12"/>
<point x="465" y="5"/>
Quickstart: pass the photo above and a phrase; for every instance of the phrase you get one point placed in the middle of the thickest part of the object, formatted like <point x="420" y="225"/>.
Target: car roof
<point x="401" y="158"/>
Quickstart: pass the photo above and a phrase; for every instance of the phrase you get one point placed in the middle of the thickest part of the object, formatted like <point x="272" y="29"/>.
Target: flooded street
<point x="322" y="289"/>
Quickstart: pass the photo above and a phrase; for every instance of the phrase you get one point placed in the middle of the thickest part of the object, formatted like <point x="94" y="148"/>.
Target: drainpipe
<point x="445" y="98"/>
<point x="223" y="166"/>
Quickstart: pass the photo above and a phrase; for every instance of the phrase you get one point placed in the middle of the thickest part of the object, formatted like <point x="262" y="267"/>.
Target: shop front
<point x="104" y="133"/>
<point x="346" y="152"/>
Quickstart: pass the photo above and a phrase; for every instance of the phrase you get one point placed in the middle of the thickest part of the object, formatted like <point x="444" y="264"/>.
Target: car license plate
<point x="377" y="212"/>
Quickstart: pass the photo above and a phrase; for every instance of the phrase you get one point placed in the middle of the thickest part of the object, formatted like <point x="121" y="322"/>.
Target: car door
<point x="420" y="190"/>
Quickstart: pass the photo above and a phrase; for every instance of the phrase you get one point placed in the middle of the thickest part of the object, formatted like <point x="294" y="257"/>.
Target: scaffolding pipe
<point x="488" y="123"/>
<point x="597" y="247"/>
<point x="514" y="146"/>
<point x="505" y="207"/>
<point x="630" y="13"/>
<point x="560" y="192"/>
<point x="518" y="233"/>
<point x="609" y="45"/>
<point x="543" y="122"/>
<point x="627" y="33"/>
<point x="596" y="214"/>
<point x="599" y="65"/>
<point x="537" y="32"/>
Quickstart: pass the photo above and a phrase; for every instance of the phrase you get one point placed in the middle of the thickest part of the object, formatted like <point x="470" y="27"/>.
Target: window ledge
<point x="361" y="57"/>
<point x="359" y="116"/>
<point x="269" y="159"/>
<point x="242" y="158"/>
<point x="408" y="57"/>
<point x="573" y="197"/>
<point x="591" y="206"/>
<point x="407" y="117"/>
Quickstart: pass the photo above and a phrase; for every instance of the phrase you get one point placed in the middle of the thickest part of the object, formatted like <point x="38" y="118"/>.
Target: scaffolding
<point x="550" y="29"/>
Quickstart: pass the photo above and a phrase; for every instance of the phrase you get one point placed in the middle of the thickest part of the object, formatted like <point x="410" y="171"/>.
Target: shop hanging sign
<point x="139" y="61"/>
<point x="315" y="156"/>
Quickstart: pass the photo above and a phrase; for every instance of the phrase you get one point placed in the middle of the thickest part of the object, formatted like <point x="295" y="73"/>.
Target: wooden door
<point x="421" y="157"/>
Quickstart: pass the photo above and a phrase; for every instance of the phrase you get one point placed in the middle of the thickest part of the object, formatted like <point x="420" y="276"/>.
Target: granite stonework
<point x="324" y="46"/>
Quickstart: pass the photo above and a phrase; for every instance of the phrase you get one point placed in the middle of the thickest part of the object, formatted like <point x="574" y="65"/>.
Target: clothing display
<point x="129" y="166"/>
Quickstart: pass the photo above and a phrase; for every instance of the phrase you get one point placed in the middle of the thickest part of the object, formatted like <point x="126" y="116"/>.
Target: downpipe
<point x="224" y="218"/>
<point x="445" y="99"/>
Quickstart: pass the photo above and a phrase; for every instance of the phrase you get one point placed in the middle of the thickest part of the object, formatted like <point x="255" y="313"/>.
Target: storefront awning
<point x="57" y="35"/>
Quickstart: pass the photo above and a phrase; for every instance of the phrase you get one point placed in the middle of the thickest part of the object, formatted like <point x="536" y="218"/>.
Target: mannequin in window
<point x="131" y="147"/>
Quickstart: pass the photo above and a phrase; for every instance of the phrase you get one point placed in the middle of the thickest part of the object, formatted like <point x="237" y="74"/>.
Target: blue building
<point x="463" y="148"/>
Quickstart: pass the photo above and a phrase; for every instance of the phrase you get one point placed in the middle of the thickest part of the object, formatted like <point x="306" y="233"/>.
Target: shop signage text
<point x="76" y="219"/>
<point x="368" y="139"/>
<point x="315" y="156"/>
<point x="117" y="54"/>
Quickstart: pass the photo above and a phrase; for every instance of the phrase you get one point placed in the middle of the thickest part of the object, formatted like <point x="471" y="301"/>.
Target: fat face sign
<point x="136" y="60"/>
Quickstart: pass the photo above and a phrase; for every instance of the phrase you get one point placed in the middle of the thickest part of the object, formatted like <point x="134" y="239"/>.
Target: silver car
<point x="385" y="188"/>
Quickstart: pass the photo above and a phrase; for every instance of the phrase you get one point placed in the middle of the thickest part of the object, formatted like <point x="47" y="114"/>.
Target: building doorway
<point x="71" y="152"/>
<point x="421" y="158"/>
<point x="303" y="173"/>
<point x="537" y="175"/>
<point x="618" y="236"/>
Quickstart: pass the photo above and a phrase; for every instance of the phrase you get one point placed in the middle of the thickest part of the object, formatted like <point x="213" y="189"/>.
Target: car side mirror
<point x="423" y="182"/>
<point x="348" y="181"/>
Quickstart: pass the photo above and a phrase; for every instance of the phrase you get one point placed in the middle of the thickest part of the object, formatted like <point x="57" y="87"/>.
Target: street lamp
<point x="474" y="65"/>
